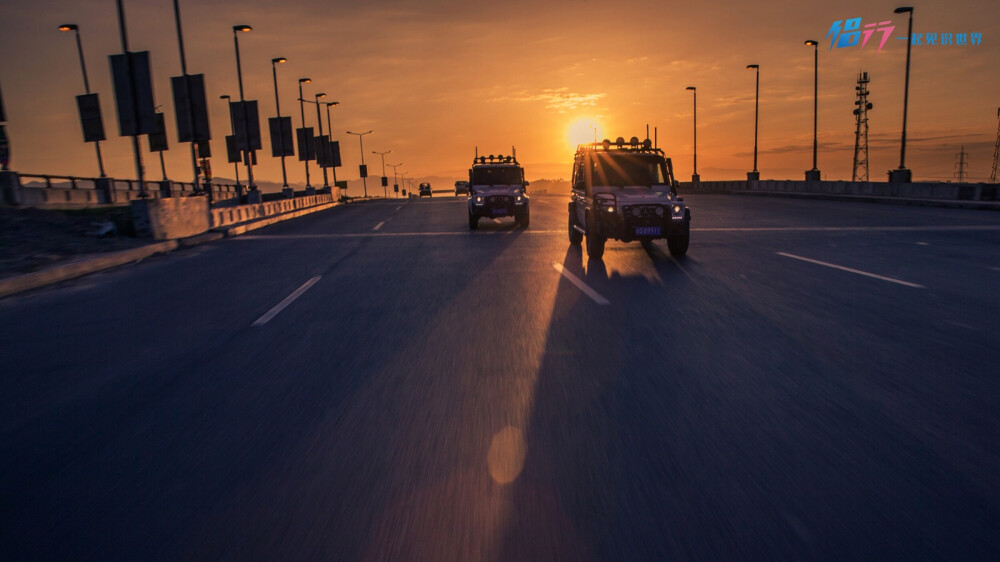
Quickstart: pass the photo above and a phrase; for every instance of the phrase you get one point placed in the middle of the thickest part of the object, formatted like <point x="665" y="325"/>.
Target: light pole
<point x="288" y="192"/>
<point x="403" y="176"/>
<point x="190" y="113"/>
<point x="304" y="150"/>
<point x="320" y="146"/>
<point x="385" y="188"/>
<point x="363" y="169"/>
<point x="695" y="178"/>
<point x="329" y="127"/>
<point x="134" y="102"/>
<point x="232" y="129"/>
<point x="902" y="175"/>
<point x="86" y="86"/>
<point x="813" y="174"/>
<point x="248" y="155"/>
<point x="755" y="175"/>
<point x="395" y="178"/>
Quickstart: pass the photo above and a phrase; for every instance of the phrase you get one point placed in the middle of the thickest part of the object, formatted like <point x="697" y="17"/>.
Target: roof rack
<point x="497" y="159"/>
<point x="619" y="145"/>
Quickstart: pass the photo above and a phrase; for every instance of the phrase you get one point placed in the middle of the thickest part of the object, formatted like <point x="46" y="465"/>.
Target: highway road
<point x="815" y="380"/>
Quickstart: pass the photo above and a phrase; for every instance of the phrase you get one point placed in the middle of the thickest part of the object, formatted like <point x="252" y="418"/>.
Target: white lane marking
<point x="379" y="225"/>
<point x="399" y="207"/>
<point x="288" y="300"/>
<point x="922" y="244"/>
<point x="581" y="285"/>
<point x="849" y="270"/>
<point x="496" y="221"/>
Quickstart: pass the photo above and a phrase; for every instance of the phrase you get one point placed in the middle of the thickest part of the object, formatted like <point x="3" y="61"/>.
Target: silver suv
<point x="497" y="189"/>
<point x="626" y="191"/>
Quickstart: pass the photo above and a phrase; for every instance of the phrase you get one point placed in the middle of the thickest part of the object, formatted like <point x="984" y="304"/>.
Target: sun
<point x="581" y="131"/>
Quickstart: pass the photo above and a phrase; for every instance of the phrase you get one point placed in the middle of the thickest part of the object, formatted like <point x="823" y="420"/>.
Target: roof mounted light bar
<point x="619" y="144"/>
<point x="494" y="159"/>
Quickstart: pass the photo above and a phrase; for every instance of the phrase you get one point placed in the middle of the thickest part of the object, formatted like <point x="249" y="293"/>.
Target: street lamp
<point x="395" y="177"/>
<point x="385" y="188"/>
<point x="288" y="192"/>
<point x="304" y="150"/>
<point x="320" y="147"/>
<point x="329" y="127"/>
<point x="232" y="129"/>
<point x="902" y="175"/>
<point x="403" y="176"/>
<point x="694" y="177"/>
<point x="363" y="168"/>
<point x="813" y="174"/>
<point x="248" y="156"/>
<point x="755" y="175"/>
<point x="86" y="86"/>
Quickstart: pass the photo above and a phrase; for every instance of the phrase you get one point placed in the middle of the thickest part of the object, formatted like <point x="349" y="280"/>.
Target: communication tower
<point x="960" y="174"/>
<point x="862" y="104"/>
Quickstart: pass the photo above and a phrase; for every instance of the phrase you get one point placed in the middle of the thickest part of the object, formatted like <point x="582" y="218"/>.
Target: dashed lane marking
<point x="594" y="295"/>
<point x="379" y="225"/>
<point x="288" y="300"/>
<point x="850" y="270"/>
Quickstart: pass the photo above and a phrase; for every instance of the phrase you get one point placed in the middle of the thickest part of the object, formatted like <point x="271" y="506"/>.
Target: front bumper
<point x="627" y="229"/>
<point x="497" y="205"/>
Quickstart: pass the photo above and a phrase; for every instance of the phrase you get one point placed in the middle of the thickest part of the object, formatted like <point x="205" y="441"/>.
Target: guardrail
<point x="916" y="191"/>
<point x="48" y="190"/>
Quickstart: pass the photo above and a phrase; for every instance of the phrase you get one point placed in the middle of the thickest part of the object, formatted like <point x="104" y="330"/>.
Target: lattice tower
<point x="862" y="105"/>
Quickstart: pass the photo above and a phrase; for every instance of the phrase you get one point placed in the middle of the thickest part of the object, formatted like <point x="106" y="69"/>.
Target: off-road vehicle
<point x="497" y="189"/>
<point x="425" y="189"/>
<point x="626" y="191"/>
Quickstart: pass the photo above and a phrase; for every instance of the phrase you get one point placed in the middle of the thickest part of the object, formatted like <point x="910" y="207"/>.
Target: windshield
<point x="497" y="175"/>
<point x="627" y="169"/>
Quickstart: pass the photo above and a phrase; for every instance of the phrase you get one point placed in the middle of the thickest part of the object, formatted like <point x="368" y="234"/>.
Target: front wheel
<point x="678" y="245"/>
<point x="523" y="218"/>
<point x="574" y="235"/>
<point x="595" y="242"/>
<point x="473" y="221"/>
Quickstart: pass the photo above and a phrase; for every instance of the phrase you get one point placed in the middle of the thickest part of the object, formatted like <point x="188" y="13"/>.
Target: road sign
<point x="385" y="181"/>
<point x="281" y="136"/>
<point x="90" y="117"/>
<point x="246" y="124"/>
<point x="3" y="112"/>
<point x="395" y="187"/>
<point x="158" y="138"/>
<point x="335" y="154"/>
<point x="305" y="137"/>
<point x="232" y="150"/>
<point x="4" y="148"/>
<point x="133" y="93"/>
<point x="190" y="108"/>
<point x="322" y="148"/>
<point x="204" y="149"/>
<point x="364" y="170"/>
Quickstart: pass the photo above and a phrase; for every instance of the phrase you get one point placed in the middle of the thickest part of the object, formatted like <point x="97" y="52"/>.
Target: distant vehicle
<point x="626" y="192"/>
<point x="497" y="189"/>
<point x="425" y="189"/>
<point x="461" y="188"/>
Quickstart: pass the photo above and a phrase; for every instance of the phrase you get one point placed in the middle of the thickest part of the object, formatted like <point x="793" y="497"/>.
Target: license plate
<point x="647" y="231"/>
<point x="500" y="211"/>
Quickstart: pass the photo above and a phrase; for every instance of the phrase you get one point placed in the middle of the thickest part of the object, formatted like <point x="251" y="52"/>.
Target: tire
<point x="574" y="235"/>
<point x="678" y="245"/>
<point x="473" y="222"/>
<point x="523" y="218"/>
<point x="595" y="242"/>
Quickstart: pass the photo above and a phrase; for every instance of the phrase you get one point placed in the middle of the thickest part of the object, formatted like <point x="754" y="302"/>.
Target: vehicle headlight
<point x="479" y="199"/>
<point x="677" y="211"/>
<point x="519" y="199"/>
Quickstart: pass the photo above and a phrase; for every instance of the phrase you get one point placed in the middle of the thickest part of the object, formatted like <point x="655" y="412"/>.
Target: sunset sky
<point x="437" y="78"/>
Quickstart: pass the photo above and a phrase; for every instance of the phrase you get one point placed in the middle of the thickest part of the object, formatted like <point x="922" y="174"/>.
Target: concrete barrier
<point x="170" y="218"/>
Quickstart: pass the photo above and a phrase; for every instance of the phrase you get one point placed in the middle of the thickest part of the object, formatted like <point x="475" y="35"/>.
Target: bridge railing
<point x="50" y="190"/>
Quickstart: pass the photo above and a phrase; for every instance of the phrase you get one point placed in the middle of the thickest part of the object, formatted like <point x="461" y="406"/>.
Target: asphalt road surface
<point x="815" y="380"/>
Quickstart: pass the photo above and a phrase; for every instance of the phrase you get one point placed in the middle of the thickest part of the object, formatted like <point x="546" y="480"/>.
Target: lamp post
<point x="901" y="174"/>
<point x="395" y="177"/>
<point x="232" y="131"/>
<point x="248" y="155"/>
<point x="329" y="127"/>
<point x="755" y="175"/>
<point x="403" y="176"/>
<point x="363" y="169"/>
<point x="319" y="145"/>
<point x="385" y="188"/>
<point x="190" y="112"/>
<point x="304" y="151"/>
<point x="695" y="178"/>
<point x="86" y="84"/>
<point x="287" y="191"/>
<point x="813" y="174"/>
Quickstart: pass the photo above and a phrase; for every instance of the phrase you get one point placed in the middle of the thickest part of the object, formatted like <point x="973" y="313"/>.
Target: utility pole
<point x="996" y="151"/>
<point x="961" y="164"/>
<point x="862" y="105"/>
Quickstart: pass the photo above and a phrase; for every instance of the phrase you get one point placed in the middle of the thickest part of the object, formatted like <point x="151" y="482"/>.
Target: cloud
<point x="559" y="99"/>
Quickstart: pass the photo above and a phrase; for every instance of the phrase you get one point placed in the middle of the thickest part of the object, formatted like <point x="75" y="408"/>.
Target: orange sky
<point x="435" y="79"/>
